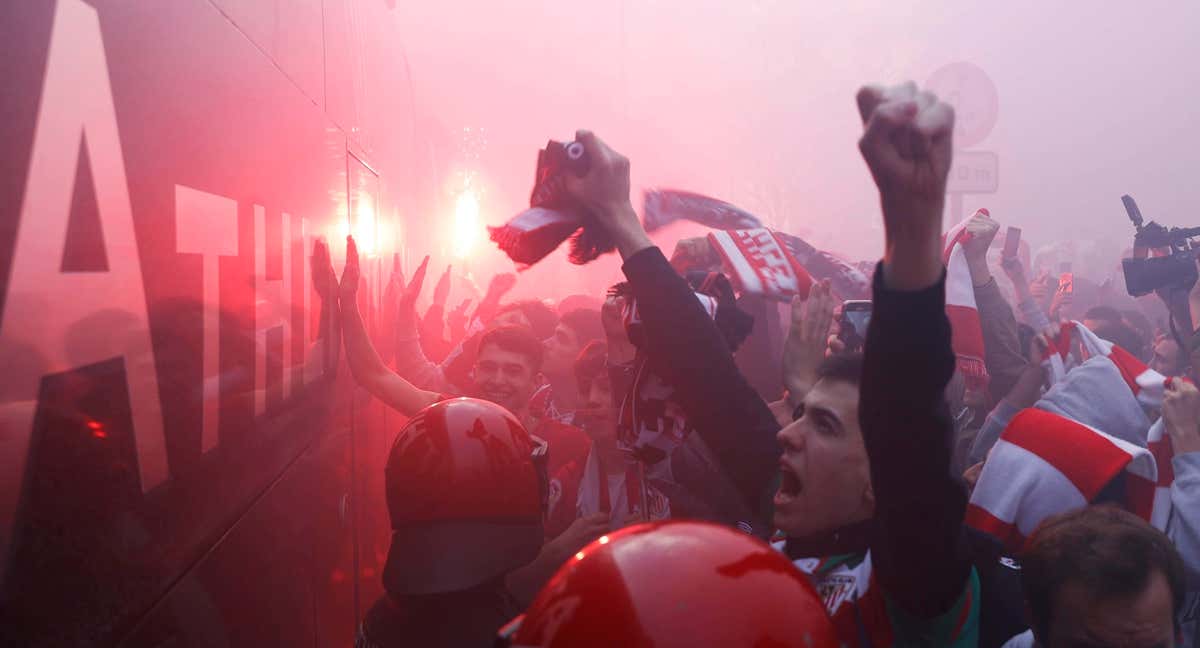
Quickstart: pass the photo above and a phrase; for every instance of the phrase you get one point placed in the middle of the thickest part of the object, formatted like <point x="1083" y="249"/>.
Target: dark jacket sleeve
<point x="1000" y="340"/>
<point x="686" y="350"/>
<point x="760" y="358"/>
<point x="919" y="549"/>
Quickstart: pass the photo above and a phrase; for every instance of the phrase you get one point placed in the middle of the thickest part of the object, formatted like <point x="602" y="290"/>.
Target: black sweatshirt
<point x="917" y="539"/>
<point x="687" y="351"/>
<point x="919" y="546"/>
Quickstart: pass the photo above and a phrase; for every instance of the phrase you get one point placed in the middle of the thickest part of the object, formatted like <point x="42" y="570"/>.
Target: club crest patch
<point x="835" y="589"/>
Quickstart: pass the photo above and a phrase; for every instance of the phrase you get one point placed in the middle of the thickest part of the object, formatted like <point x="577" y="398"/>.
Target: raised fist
<point x="604" y="193"/>
<point x="906" y="143"/>
<point x="605" y="187"/>
<point x="982" y="230"/>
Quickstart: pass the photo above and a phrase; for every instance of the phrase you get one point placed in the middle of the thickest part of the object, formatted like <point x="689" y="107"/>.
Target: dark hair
<point x="734" y="323"/>
<point x="575" y="302"/>
<point x="1138" y="321"/>
<point x="591" y="364"/>
<point x="842" y="367"/>
<point x="1140" y="324"/>
<point x="1122" y="336"/>
<point x="586" y="324"/>
<point x="516" y="339"/>
<point x="541" y="317"/>
<point x="1108" y="551"/>
<point x="1103" y="313"/>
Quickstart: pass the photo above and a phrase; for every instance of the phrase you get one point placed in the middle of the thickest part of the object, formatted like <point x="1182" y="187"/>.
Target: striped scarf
<point x="759" y="262"/>
<point x="1145" y="384"/>
<point x="552" y="217"/>
<point x="650" y="423"/>
<point x="664" y="206"/>
<point x="1045" y="464"/>
<point x="966" y="337"/>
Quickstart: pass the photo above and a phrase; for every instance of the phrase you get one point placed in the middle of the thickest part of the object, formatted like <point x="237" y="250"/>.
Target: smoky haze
<point x="753" y="102"/>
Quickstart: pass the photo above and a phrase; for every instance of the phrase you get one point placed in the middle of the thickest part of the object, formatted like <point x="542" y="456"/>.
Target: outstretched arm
<point x="365" y="364"/>
<point x="1181" y="417"/>
<point x="433" y="325"/>
<point x="1031" y="311"/>
<point x="918" y="550"/>
<point x="684" y="346"/>
<point x="490" y="304"/>
<point x="1002" y="347"/>
<point x="411" y="363"/>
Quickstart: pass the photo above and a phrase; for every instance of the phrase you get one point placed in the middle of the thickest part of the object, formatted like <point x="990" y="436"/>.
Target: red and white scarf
<point x="1045" y="464"/>
<point x="847" y="281"/>
<point x="649" y="418"/>
<point x="1145" y="384"/>
<point x="552" y="217"/>
<point x="965" y="328"/>
<point x="758" y="262"/>
<point x="532" y="234"/>
<point x="664" y="206"/>
<point x="620" y="497"/>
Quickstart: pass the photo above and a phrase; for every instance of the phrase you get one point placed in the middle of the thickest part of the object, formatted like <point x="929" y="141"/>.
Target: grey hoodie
<point x="1084" y="395"/>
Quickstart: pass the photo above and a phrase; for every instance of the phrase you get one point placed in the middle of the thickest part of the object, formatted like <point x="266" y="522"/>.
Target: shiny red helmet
<point x="668" y="584"/>
<point x="466" y="491"/>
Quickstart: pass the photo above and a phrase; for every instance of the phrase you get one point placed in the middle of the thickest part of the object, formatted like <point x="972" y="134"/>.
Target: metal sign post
<point x="976" y="104"/>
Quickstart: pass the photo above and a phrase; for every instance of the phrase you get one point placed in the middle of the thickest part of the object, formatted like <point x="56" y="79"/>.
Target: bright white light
<point x="603" y="539"/>
<point x="467" y="227"/>
<point x="364" y="227"/>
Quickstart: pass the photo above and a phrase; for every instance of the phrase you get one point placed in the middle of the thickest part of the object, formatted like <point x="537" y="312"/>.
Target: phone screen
<point x="859" y="316"/>
<point x="1012" y="242"/>
<point x="1066" y="282"/>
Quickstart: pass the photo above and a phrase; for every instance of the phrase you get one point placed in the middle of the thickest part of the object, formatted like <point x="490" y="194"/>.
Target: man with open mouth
<point x="862" y="488"/>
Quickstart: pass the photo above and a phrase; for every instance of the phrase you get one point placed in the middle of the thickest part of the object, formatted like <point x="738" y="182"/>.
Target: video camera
<point x="1176" y="270"/>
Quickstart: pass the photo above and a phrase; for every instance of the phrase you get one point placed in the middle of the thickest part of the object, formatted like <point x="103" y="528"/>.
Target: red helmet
<point x="667" y="584"/>
<point x="466" y="491"/>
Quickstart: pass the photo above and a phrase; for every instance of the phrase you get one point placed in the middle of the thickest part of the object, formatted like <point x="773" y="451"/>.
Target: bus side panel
<point x="175" y="426"/>
<point x="290" y="33"/>
<point x="258" y="585"/>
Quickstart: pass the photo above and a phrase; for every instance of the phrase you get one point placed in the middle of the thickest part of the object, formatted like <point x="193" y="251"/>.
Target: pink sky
<point x="744" y="99"/>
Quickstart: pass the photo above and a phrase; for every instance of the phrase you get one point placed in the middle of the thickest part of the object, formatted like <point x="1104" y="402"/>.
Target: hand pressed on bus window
<point x="351" y="274"/>
<point x="324" y="279"/>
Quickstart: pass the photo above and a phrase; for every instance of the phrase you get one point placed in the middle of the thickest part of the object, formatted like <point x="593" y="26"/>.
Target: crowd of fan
<point x="620" y="472"/>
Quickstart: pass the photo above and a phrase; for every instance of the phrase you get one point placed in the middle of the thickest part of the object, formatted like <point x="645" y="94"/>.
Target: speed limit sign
<point x="970" y="91"/>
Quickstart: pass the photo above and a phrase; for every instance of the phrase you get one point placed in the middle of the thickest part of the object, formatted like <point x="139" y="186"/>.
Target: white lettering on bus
<point x="76" y="103"/>
<point x="206" y="224"/>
